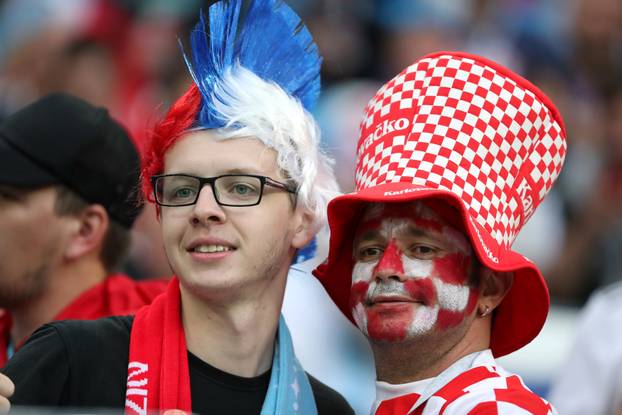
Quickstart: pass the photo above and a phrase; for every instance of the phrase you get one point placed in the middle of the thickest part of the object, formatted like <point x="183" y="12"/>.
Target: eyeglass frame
<point x="264" y="180"/>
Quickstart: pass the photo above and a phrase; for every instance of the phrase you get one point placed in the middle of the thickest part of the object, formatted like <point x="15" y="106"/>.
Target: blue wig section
<point x="306" y="253"/>
<point x="271" y="41"/>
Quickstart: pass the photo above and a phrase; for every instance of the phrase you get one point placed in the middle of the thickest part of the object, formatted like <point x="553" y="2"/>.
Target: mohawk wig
<point x="256" y="75"/>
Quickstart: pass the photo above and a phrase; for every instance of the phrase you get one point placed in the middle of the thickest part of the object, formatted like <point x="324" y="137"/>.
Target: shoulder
<point x="71" y="362"/>
<point x="80" y="339"/>
<point x="100" y="334"/>
<point x="327" y="400"/>
<point x="504" y="394"/>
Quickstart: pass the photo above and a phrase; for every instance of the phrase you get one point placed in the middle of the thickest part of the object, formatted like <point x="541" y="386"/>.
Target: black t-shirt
<point x="84" y="364"/>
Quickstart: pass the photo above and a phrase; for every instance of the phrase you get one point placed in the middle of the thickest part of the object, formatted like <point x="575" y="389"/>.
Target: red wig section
<point x="165" y="133"/>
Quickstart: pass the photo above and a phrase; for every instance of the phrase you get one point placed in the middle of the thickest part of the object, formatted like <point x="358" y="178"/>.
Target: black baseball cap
<point x="61" y="139"/>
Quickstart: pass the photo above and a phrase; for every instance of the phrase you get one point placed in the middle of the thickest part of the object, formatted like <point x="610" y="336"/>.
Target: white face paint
<point x="410" y="274"/>
<point x="450" y="296"/>
<point x="360" y="317"/>
<point x="363" y="271"/>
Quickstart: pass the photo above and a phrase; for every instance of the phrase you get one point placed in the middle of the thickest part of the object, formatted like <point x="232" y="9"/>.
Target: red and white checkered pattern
<point x="467" y="127"/>
<point x="464" y="129"/>
<point x="483" y="389"/>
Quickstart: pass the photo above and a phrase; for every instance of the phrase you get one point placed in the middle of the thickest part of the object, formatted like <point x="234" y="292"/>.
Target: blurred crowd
<point x="125" y="55"/>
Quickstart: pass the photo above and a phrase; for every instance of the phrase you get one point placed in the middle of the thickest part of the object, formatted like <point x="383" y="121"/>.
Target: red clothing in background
<point x="118" y="294"/>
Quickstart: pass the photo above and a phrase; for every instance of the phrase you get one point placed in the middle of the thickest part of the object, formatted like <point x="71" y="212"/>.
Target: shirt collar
<point x="385" y="390"/>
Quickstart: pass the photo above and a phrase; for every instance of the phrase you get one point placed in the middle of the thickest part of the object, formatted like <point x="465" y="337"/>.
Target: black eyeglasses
<point x="228" y="189"/>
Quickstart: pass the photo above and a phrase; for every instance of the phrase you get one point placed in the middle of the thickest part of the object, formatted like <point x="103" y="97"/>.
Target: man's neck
<point x="418" y="359"/>
<point x="65" y="284"/>
<point x="234" y="336"/>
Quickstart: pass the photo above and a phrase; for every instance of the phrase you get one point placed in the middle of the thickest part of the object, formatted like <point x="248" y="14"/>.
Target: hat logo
<point x="401" y="192"/>
<point x="489" y="253"/>
<point x="384" y="128"/>
<point x="524" y="191"/>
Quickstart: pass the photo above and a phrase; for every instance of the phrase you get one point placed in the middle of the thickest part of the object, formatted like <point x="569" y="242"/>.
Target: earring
<point x="485" y="312"/>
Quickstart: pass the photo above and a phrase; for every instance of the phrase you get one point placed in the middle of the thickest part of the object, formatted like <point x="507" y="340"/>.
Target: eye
<point x="369" y="253"/>
<point x="183" y="193"/>
<point x="423" y="251"/>
<point x="242" y="189"/>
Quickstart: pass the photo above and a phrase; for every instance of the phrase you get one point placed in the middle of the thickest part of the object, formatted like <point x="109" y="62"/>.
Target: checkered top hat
<point x="466" y="130"/>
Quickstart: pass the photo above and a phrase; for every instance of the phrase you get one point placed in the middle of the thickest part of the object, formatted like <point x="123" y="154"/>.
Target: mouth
<point x="210" y="246"/>
<point x="211" y="249"/>
<point x="393" y="292"/>
<point x="390" y="298"/>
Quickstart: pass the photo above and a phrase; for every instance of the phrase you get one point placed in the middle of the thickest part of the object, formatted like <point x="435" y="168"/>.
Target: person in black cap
<point x="68" y="178"/>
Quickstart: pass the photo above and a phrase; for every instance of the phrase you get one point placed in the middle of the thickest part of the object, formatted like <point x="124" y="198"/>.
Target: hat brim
<point x="17" y="169"/>
<point x="516" y="321"/>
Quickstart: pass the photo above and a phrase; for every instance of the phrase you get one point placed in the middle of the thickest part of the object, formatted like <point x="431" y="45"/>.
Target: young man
<point x="65" y="216"/>
<point x="241" y="186"/>
<point x="455" y="154"/>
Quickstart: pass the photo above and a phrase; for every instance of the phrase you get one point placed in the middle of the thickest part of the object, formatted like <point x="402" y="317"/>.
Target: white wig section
<point x="252" y="107"/>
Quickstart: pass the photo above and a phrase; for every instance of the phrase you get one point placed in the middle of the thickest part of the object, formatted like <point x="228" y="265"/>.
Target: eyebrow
<point x="241" y="171"/>
<point x="412" y="231"/>
<point x="193" y="172"/>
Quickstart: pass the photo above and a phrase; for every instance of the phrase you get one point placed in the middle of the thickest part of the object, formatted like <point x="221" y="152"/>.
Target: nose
<point x="390" y="265"/>
<point x="207" y="210"/>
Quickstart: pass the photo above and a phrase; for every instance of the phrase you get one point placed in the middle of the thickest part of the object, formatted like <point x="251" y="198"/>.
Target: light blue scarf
<point x="289" y="391"/>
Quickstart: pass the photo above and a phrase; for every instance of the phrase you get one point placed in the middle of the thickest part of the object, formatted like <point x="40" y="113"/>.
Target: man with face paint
<point x="455" y="154"/>
<point x="413" y="272"/>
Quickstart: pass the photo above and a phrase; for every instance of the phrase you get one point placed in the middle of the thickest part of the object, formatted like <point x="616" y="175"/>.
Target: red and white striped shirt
<point x="474" y="385"/>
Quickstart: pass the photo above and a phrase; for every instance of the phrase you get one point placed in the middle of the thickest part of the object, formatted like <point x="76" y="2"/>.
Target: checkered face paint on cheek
<point x="455" y="297"/>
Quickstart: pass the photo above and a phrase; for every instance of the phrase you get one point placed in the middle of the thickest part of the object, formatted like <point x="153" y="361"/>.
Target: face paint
<point x="456" y="299"/>
<point x="363" y="271"/>
<point x="391" y="261"/>
<point x="453" y="268"/>
<point x="397" y="294"/>
<point x="361" y="275"/>
<point x="448" y="318"/>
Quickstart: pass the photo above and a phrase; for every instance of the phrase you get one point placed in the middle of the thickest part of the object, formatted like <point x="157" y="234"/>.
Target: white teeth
<point x="211" y="248"/>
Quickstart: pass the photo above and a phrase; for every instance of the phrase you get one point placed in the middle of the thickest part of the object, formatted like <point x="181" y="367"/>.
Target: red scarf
<point x="116" y="295"/>
<point x="158" y="377"/>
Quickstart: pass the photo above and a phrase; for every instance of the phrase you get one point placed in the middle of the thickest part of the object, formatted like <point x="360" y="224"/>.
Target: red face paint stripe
<point x="428" y="225"/>
<point x="391" y="261"/>
<point x="453" y="268"/>
<point x="422" y="290"/>
<point x="371" y="224"/>
<point x="389" y="322"/>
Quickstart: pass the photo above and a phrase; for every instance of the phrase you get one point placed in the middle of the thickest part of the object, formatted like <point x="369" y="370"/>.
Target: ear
<point x="493" y="287"/>
<point x="304" y="228"/>
<point x="93" y="223"/>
